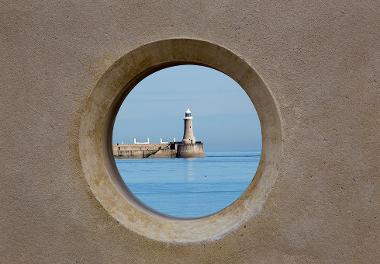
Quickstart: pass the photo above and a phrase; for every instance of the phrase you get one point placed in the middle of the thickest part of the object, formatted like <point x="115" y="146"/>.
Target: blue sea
<point x="193" y="187"/>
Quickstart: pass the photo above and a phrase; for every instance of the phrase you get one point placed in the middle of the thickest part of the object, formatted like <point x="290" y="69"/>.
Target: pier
<point x="187" y="148"/>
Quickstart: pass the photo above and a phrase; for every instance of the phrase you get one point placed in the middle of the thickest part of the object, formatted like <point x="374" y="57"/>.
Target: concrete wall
<point x="320" y="60"/>
<point x="142" y="150"/>
<point x="190" y="150"/>
<point x="165" y="153"/>
<point x="166" y="150"/>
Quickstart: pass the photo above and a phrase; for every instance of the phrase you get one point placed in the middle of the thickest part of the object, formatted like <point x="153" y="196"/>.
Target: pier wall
<point x="190" y="150"/>
<point x="166" y="150"/>
<point x="142" y="150"/>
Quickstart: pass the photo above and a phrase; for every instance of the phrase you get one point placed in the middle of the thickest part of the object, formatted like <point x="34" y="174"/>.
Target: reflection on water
<point x="189" y="169"/>
<point x="190" y="187"/>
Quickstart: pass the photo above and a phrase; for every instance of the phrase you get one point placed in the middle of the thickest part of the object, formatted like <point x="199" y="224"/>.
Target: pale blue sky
<point x="224" y="118"/>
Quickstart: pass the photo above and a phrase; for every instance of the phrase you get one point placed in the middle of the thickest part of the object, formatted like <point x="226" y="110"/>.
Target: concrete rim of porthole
<point x="95" y="135"/>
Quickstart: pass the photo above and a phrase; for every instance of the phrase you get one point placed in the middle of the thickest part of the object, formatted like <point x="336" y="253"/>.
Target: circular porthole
<point x="95" y="140"/>
<point x="175" y="169"/>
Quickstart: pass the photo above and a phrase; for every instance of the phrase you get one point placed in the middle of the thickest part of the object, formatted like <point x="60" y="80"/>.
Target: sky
<point x="224" y="118"/>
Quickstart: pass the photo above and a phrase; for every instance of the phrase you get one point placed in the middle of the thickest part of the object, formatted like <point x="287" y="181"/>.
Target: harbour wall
<point x="164" y="150"/>
<point x="130" y="151"/>
<point x="190" y="150"/>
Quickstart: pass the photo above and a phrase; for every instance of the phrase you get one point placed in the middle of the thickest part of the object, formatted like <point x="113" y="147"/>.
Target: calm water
<point x="190" y="187"/>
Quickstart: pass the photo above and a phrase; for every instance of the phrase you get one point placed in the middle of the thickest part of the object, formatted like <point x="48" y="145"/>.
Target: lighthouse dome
<point x="188" y="114"/>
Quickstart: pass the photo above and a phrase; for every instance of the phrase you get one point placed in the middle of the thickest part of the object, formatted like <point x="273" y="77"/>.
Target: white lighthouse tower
<point x="188" y="135"/>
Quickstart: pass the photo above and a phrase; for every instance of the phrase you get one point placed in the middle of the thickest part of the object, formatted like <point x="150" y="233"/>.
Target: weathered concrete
<point x="190" y="150"/>
<point x="320" y="62"/>
<point x="131" y="151"/>
<point x="163" y="150"/>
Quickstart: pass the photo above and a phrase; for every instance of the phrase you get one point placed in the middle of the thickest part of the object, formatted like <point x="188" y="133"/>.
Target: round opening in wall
<point x="190" y="118"/>
<point x="177" y="170"/>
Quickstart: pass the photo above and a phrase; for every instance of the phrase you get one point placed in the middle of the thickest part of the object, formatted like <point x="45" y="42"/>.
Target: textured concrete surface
<point x="321" y="62"/>
<point x="190" y="150"/>
<point x="125" y="151"/>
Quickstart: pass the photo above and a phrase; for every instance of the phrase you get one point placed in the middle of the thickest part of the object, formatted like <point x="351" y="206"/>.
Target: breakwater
<point x="187" y="148"/>
<point x="162" y="150"/>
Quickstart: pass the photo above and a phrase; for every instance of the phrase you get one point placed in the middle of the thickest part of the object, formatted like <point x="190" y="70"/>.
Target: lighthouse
<point x="189" y="147"/>
<point x="188" y="135"/>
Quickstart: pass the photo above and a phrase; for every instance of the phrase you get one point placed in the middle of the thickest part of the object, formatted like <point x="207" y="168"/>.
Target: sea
<point x="189" y="188"/>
